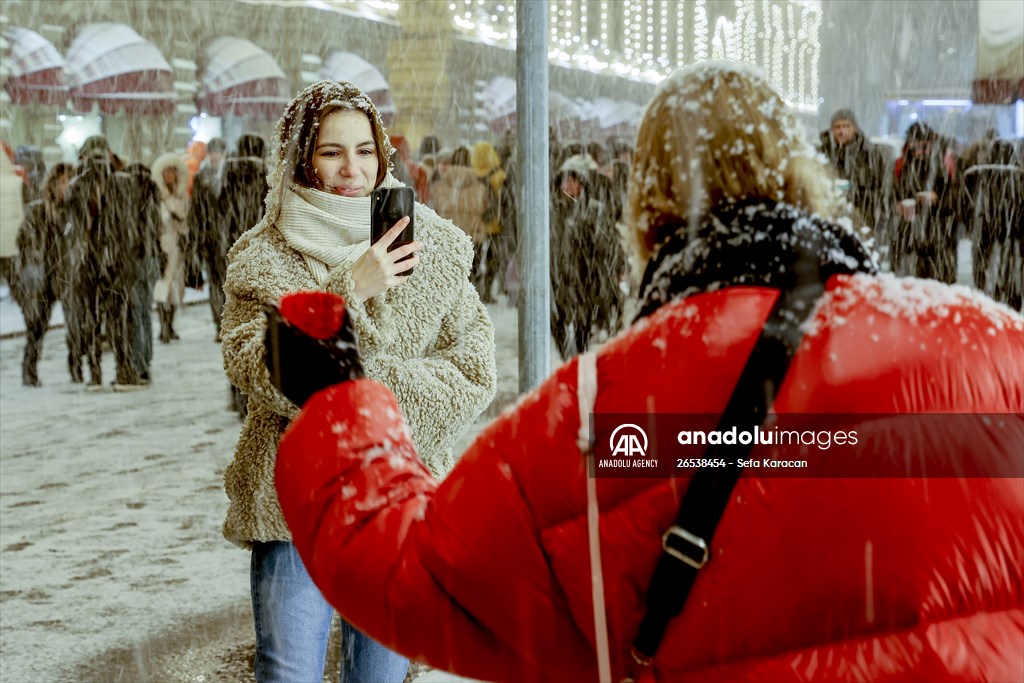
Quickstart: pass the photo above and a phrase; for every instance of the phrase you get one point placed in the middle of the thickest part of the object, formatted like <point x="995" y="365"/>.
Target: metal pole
<point x="534" y="192"/>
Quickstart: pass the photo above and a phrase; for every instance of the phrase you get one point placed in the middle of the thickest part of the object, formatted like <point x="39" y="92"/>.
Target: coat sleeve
<point x="442" y="393"/>
<point x="243" y="329"/>
<point x="29" y="272"/>
<point x="415" y="564"/>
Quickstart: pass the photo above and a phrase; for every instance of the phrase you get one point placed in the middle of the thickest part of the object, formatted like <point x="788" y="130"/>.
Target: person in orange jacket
<point x="894" y="558"/>
<point x="194" y="156"/>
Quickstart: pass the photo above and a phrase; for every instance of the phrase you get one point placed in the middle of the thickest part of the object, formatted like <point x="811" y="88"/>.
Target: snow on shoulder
<point x="921" y="302"/>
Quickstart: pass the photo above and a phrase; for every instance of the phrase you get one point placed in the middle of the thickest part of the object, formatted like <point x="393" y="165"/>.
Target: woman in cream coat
<point x="171" y="176"/>
<point x="425" y="335"/>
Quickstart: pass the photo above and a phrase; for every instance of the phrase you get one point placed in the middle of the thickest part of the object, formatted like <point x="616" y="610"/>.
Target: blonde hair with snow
<point x="715" y="132"/>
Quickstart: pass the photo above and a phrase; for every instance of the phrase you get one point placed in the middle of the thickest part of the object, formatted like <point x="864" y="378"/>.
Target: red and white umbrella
<point x="112" y="66"/>
<point x="242" y="79"/>
<point x="351" y="68"/>
<point x="36" y="69"/>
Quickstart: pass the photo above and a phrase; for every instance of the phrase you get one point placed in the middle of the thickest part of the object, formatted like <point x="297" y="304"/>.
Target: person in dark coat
<point x="149" y="226"/>
<point x="924" y="238"/>
<point x="103" y="247"/>
<point x="857" y="162"/>
<point x="30" y="158"/>
<point x="41" y="266"/>
<point x="206" y="229"/>
<point x="243" y="190"/>
<point x="586" y="260"/>
<point x="993" y="192"/>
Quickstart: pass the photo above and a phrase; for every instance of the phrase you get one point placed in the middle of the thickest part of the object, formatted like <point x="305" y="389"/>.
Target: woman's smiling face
<point x="345" y="156"/>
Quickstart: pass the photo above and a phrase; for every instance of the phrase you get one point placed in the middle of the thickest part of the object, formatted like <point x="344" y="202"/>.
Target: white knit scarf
<point x="328" y="230"/>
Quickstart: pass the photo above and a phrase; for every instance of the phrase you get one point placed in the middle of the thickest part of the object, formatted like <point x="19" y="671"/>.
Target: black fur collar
<point x="756" y="242"/>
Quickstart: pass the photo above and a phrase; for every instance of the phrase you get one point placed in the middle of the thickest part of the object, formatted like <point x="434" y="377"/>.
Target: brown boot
<point x="170" y="321"/>
<point x="165" y="323"/>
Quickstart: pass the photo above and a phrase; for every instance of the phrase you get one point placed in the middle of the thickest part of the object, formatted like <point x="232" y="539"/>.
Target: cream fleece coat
<point x="170" y="288"/>
<point x="429" y="340"/>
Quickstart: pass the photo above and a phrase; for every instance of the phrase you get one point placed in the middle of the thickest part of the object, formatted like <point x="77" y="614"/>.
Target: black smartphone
<point x="388" y="205"/>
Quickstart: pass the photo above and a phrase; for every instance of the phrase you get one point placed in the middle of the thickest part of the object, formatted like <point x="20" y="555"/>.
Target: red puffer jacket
<point x="811" y="579"/>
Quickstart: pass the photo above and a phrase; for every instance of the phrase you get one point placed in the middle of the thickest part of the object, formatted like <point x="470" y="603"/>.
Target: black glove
<point x="301" y="365"/>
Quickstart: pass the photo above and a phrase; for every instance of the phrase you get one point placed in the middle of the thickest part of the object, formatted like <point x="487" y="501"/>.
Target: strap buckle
<point x="695" y="541"/>
<point x="640" y="658"/>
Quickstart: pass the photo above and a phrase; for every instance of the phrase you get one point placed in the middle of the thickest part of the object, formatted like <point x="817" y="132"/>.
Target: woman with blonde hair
<point x="548" y="556"/>
<point x="421" y="332"/>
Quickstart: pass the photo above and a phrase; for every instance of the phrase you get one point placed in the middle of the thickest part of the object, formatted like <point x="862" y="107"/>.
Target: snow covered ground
<point x="112" y="563"/>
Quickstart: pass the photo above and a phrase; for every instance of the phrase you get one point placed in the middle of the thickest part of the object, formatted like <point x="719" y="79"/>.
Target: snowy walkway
<point x="112" y="563"/>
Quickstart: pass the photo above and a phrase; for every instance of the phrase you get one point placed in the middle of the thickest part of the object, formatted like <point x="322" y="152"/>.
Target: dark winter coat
<point x="30" y="159"/>
<point x="41" y="265"/>
<point x="994" y="195"/>
<point x="810" y="578"/>
<point x="863" y="165"/>
<point x="149" y="224"/>
<point x="586" y="256"/>
<point x="104" y="241"/>
<point x="205" y="225"/>
<point x="243" y="190"/>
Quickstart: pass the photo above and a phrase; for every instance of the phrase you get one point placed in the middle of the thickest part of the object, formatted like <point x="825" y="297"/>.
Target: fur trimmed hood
<point x="170" y="160"/>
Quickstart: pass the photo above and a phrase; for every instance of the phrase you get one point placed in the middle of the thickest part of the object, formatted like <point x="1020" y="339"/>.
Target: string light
<point x="700" y="31"/>
<point x="650" y="30"/>
<point x="627" y="18"/>
<point x="681" y="56"/>
<point x="646" y="39"/>
<point x="584" y="29"/>
<point x="604" y="24"/>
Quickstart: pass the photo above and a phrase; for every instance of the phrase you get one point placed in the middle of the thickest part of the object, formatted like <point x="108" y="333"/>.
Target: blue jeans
<point x="293" y="622"/>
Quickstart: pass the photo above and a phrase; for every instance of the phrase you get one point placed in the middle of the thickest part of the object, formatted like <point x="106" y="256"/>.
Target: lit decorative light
<point x="700" y="31"/>
<point x="663" y="38"/>
<point x="650" y="30"/>
<point x="680" y="34"/>
<point x="792" y="52"/>
<point x="627" y="20"/>
<point x="584" y="20"/>
<point x="646" y="39"/>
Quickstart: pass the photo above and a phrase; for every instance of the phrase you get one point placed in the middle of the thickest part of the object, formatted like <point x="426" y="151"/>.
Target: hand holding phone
<point x="392" y="254"/>
<point x="388" y="205"/>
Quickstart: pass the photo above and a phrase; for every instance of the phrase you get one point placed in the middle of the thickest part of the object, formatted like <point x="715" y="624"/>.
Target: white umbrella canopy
<point x="613" y="113"/>
<point x="243" y="79"/>
<point x="35" y="68"/>
<point x="499" y="103"/>
<point x="351" y="68"/>
<point x="101" y="51"/>
<point x="562" y="108"/>
<point x="233" y="61"/>
<point x="113" y="66"/>
<point x="500" y="97"/>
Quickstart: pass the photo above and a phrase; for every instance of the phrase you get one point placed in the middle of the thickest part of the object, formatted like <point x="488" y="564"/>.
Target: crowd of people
<point x="173" y="223"/>
<point x="111" y="241"/>
<point x="921" y="203"/>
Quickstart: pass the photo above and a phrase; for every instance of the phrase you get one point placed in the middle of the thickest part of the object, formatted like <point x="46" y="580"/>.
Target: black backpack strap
<point x="686" y="544"/>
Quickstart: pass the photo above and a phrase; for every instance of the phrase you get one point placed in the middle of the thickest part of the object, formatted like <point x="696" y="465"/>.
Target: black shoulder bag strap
<point x="685" y="546"/>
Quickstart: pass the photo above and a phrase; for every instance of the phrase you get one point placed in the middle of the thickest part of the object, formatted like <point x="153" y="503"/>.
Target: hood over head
<point x="296" y="131"/>
<point x="170" y="160"/>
